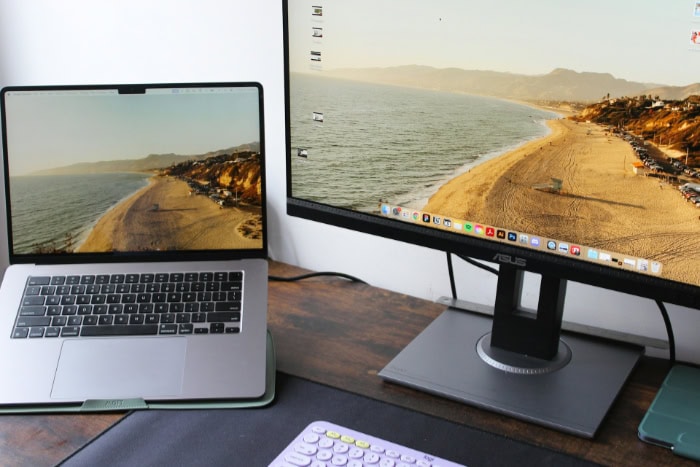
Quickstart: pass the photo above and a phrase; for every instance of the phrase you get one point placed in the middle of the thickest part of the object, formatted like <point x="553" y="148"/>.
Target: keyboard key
<point x="29" y="321"/>
<point x="132" y="278"/>
<point x="168" y="329"/>
<point x="223" y="317"/>
<point x="70" y="331"/>
<point x="117" y="279"/>
<point x="152" y="319"/>
<point x="58" y="280"/>
<point x="123" y="330"/>
<point x="227" y="306"/>
<point x="89" y="279"/>
<point x="102" y="279"/>
<point x="32" y="311"/>
<point x="20" y="333"/>
<point x="39" y="280"/>
<point x="59" y="321"/>
<point x="91" y="320"/>
<point x="137" y="319"/>
<point x="33" y="300"/>
<point x="75" y="321"/>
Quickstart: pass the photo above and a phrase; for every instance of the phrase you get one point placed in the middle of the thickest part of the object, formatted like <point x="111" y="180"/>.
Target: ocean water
<point x="395" y="144"/>
<point x="55" y="211"/>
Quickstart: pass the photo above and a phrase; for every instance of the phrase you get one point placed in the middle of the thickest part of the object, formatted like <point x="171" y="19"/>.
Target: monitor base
<point x="575" y="397"/>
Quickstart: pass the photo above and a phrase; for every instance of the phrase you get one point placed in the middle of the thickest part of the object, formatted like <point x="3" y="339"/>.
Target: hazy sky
<point x="57" y="130"/>
<point x="638" y="40"/>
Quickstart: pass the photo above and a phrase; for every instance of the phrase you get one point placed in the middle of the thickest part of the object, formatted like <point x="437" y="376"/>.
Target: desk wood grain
<point x="342" y="334"/>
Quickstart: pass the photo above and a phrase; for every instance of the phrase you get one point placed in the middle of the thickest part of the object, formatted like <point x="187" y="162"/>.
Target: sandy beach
<point x="603" y="204"/>
<point x="181" y="221"/>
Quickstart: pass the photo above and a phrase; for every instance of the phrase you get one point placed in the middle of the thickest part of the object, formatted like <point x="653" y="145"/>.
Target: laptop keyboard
<point x="131" y="304"/>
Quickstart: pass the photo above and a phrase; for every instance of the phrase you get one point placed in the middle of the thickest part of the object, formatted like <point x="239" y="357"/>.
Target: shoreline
<point x="480" y="177"/>
<point x="603" y="204"/>
<point x="164" y="216"/>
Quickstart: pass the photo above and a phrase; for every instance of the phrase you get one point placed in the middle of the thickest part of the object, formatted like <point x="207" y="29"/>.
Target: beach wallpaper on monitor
<point x="125" y="173"/>
<point x="507" y="120"/>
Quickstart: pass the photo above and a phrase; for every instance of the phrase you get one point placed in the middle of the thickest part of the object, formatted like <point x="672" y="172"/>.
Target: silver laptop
<point x="137" y="244"/>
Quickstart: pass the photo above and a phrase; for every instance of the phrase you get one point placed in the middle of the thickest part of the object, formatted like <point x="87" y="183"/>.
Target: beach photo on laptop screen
<point x="161" y="169"/>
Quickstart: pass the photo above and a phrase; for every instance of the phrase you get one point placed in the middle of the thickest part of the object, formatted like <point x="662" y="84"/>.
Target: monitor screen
<point x="500" y="128"/>
<point x="556" y="138"/>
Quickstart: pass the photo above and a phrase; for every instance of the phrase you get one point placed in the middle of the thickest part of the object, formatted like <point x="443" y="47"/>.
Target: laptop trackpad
<point x="108" y="368"/>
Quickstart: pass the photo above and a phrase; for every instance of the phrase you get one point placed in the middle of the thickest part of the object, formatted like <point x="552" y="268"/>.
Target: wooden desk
<point x="342" y="334"/>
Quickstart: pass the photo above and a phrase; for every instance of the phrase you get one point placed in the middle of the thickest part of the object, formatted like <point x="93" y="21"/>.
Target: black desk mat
<point x="254" y="437"/>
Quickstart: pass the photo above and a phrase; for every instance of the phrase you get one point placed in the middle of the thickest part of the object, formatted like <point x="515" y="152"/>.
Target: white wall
<point x="87" y="41"/>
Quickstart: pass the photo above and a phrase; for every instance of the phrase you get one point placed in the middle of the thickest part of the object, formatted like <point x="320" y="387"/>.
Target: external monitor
<point x="558" y="139"/>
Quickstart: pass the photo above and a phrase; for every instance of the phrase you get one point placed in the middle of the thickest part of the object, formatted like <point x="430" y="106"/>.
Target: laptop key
<point x="120" y="330"/>
<point x="32" y="311"/>
<point x="227" y="306"/>
<point x="168" y="328"/>
<point x="39" y="280"/>
<point x="223" y="317"/>
<point x="33" y="300"/>
<point x="32" y="290"/>
<point x="58" y="280"/>
<point x="31" y="321"/>
<point x="20" y="333"/>
<point x="70" y="331"/>
<point x="73" y="280"/>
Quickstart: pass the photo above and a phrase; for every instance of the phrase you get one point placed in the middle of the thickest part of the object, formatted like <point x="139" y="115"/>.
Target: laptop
<point x="137" y="245"/>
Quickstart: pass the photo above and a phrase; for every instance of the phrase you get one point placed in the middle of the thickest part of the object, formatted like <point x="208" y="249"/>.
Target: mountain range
<point x="558" y="85"/>
<point x="146" y="164"/>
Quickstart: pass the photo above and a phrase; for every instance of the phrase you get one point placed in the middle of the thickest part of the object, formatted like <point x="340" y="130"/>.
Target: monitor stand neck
<point x="527" y="332"/>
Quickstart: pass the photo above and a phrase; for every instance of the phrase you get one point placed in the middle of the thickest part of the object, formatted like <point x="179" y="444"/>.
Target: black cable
<point x="452" y="275"/>
<point x="471" y="261"/>
<point x="669" y="331"/>
<point x="478" y="264"/>
<point x="316" y="274"/>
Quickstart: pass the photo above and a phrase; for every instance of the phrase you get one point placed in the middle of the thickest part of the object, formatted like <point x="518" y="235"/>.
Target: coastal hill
<point x="673" y="124"/>
<point x="558" y="85"/>
<point x="149" y="163"/>
<point x="239" y="172"/>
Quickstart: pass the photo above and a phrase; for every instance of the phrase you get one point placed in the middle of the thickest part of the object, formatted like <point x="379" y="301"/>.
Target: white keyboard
<point x="324" y="444"/>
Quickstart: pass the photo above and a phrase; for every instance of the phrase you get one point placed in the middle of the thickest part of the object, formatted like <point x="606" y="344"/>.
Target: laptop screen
<point x="134" y="171"/>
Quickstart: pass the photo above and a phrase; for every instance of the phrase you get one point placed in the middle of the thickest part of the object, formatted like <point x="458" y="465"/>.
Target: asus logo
<point x="503" y="258"/>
